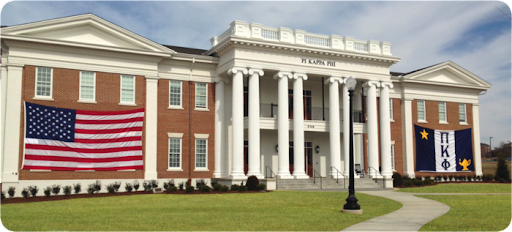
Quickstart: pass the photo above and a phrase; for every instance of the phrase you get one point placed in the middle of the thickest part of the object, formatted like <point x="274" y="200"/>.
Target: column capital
<point x="334" y="79"/>
<point x="219" y="79"/>
<point x="257" y="71"/>
<point x="283" y="75"/>
<point x="384" y="84"/>
<point x="235" y="70"/>
<point x="371" y="83"/>
<point x="300" y="75"/>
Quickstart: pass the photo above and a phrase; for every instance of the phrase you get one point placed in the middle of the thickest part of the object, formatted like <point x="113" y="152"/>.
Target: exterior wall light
<point x="277" y="148"/>
<point x="317" y="149"/>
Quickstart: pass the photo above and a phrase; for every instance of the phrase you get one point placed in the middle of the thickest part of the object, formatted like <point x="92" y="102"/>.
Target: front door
<point x="246" y="157"/>
<point x="290" y="157"/>
<point x="308" y="153"/>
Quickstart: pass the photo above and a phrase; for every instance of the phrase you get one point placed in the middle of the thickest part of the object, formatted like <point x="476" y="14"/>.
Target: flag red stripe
<point x="109" y="131"/>
<point x="82" y="160"/>
<point x="82" y="150"/>
<point x="128" y="120"/>
<point x="85" y="112"/>
<point x="83" y="169"/>
<point x="117" y="140"/>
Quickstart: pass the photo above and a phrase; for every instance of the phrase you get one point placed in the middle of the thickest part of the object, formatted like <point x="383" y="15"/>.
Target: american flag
<point x="69" y="140"/>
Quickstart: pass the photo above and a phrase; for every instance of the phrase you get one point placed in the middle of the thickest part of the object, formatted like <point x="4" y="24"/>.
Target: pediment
<point x="85" y="29"/>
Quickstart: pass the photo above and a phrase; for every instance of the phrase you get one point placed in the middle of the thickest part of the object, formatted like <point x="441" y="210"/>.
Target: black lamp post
<point x="351" y="200"/>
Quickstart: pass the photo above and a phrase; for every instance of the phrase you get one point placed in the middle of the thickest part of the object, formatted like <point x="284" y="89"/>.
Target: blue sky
<point x="474" y="35"/>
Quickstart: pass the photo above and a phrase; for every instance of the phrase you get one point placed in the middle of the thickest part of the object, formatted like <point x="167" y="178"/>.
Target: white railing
<point x="269" y="34"/>
<point x="317" y="40"/>
<point x="361" y="47"/>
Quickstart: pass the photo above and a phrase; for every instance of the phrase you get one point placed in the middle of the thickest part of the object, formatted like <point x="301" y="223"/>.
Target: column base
<point x="237" y="176"/>
<point x="220" y="175"/>
<point x="284" y="176"/>
<point x="257" y="174"/>
<point x="150" y="175"/>
<point x="300" y="175"/>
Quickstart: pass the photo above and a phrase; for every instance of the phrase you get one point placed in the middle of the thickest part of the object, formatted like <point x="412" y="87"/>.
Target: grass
<point x="280" y="210"/>
<point x="490" y="167"/>
<point x="471" y="213"/>
<point x="461" y="188"/>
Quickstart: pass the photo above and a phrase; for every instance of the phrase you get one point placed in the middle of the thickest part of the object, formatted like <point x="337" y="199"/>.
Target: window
<point x="462" y="113"/>
<point x="421" y="110"/>
<point x="87" y="86"/>
<point x="201" y="95"/>
<point x="442" y="112"/>
<point x="201" y="154"/>
<point x="391" y="109"/>
<point x="175" y="153"/>
<point x="393" y="156"/>
<point x="127" y="89"/>
<point x="175" y="93"/>
<point x="44" y="82"/>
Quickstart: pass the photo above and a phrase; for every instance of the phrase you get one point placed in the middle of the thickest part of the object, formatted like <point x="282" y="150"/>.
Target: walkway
<point x="415" y="213"/>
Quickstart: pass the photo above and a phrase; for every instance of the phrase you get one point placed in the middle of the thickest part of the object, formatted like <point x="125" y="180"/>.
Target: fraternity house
<point x="84" y="100"/>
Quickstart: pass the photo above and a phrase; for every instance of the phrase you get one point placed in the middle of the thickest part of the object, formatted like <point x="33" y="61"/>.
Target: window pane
<point x="174" y="153"/>
<point x="43" y="81"/>
<point x="201" y="153"/>
<point x="421" y="110"/>
<point x="175" y="93"/>
<point x="462" y="112"/>
<point x="393" y="156"/>
<point x="127" y="89"/>
<point x="201" y="97"/>
<point x="391" y="109"/>
<point x="442" y="111"/>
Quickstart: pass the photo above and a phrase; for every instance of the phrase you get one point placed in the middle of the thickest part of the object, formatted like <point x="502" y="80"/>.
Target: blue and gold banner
<point x="443" y="150"/>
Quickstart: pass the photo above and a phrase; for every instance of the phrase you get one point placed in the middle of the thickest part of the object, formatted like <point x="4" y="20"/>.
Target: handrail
<point x="314" y="177"/>
<point x="275" y="176"/>
<point x="338" y="171"/>
<point x="373" y="169"/>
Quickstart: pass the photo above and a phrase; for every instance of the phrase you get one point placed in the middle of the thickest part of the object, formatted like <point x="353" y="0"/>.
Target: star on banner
<point x="424" y="135"/>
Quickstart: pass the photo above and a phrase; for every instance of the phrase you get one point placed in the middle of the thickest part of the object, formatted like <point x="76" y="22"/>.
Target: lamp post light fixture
<point x="351" y="206"/>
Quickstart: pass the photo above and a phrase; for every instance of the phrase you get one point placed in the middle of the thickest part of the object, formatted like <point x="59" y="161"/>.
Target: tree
<point x="502" y="171"/>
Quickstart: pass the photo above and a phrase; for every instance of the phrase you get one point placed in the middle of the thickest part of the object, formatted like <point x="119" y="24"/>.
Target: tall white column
<point x="334" y="124"/>
<point x="3" y="99"/>
<point x="407" y="136"/>
<point x="237" y="164"/>
<point x="346" y="130"/>
<point x="385" y="130"/>
<point x="220" y="129"/>
<point x="358" y="138"/>
<point x="298" y="127"/>
<point x="476" y="142"/>
<point x="151" y="128"/>
<point x="373" y="136"/>
<point x="283" y="136"/>
<point x="254" y="123"/>
<point x="12" y="130"/>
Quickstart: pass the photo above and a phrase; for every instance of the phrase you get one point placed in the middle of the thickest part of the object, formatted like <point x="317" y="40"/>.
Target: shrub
<point x="154" y="184"/>
<point x="397" y="180"/>
<point x="166" y="186"/>
<point x="111" y="188"/>
<point x="418" y="178"/>
<point x="11" y="191"/>
<point x="488" y="177"/>
<point x="478" y="178"/>
<point x="235" y="187"/>
<point x="172" y="189"/>
<point x="214" y="182"/>
<point x="204" y="188"/>
<point x="262" y="187"/>
<point x="469" y="177"/>
<point x="171" y="182"/>
<point x="56" y="189"/>
<point x="501" y="180"/>
<point x="418" y="182"/>
<point x="128" y="187"/>
<point x="224" y="188"/>
<point x="428" y="181"/>
<point x="3" y="195"/>
<point x="91" y="189"/>
<point x="200" y="183"/>
<point x="190" y="189"/>
<point x="33" y="190"/>
<point x="181" y="185"/>
<point x="147" y="186"/>
<point x="406" y="178"/>
<point x="408" y="183"/>
<point x="24" y="193"/>
<point x="445" y="178"/>
<point x="97" y="186"/>
<point x="77" y="187"/>
<point x="450" y="177"/>
<point x="438" y="178"/>
<point x="502" y="171"/>
<point x="252" y="183"/>
<point x="217" y="187"/>
<point x="47" y="191"/>
<point x="136" y="185"/>
<point x="117" y="185"/>
<point x="67" y="190"/>
<point x="242" y="188"/>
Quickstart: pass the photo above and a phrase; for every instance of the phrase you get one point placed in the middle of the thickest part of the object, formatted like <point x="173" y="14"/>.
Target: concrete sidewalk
<point x="415" y="213"/>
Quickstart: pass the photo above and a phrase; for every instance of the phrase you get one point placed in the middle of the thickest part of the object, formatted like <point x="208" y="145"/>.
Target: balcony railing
<point x="313" y="113"/>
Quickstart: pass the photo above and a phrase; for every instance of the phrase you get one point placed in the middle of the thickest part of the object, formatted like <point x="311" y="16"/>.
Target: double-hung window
<point x="442" y="112"/>
<point x="174" y="153"/>
<point x="201" y="154"/>
<point x="44" y="82"/>
<point x="391" y="109"/>
<point x="127" y="89"/>
<point x="421" y="111"/>
<point x="175" y="94"/>
<point x="393" y="156"/>
<point x="87" y="86"/>
<point x="201" y="95"/>
<point x="462" y="113"/>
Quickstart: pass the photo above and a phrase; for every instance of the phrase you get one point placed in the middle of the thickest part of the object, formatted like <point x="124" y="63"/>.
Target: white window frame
<point x="391" y="110"/>
<point x="393" y="156"/>
<point x="174" y="136"/>
<point x="465" y="114"/>
<point x="206" y="100"/>
<point x="40" y="97"/>
<point x="80" y="99"/>
<point x="424" y="120"/>
<point x="181" y="95"/>
<point x="205" y="138"/>
<point x="121" y="90"/>
<point x="445" y="113"/>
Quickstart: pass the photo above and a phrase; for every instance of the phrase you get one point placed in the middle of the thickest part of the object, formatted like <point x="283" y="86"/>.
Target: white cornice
<point x="196" y="58"/>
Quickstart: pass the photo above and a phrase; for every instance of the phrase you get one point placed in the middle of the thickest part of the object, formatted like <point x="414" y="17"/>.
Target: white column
<point x="151" y="128"/>
<point x="385" y="130"/>
<point x="3" y="99"/>
<point x="254" y="123"/>
<point x="298" y="127"/>
<point x="237" y="166"/>
<point x="373" y="136"/>
<point x="476" y="142"/>
<point x="407" y="136"/>
<point x="358" y="138"/>
<point x="12" y="125"/>
<point x="334" y="125"/>
<point x="220" y="129"/>
<point x="346" y="130"/>
<point x="283" y="136"/>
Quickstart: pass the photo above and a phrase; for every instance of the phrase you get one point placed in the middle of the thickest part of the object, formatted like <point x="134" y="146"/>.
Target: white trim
<point x="205" y="168"/>
<point x="127" y="104"/>
<point x="201" y="136"/>
<point x="175" y="108"/>
<point x="39" y="170"/>
<point x="42" y="98"/>
<point x="423" y="120"/>
<point x="80" y="99"/>
<point x="121" y="90"/>
<point x="175" y="135"/>
<point x="206" y="100"/>
<point x="181" y="95"/>
<point x="445" y="121"/>
<point x="179" y="168"/>
<point x="174" y="169"/>
<point x="127" y="170"/>
<point x="38" y="97"/>
<point x="465" y="115"/>
<point x="201" y="109"/>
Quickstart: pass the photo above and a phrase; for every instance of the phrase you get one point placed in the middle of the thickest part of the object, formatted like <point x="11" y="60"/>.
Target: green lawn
<point x="471" y="212"/>
<point x="319" y="211"/>
<point x="461" y="188"/>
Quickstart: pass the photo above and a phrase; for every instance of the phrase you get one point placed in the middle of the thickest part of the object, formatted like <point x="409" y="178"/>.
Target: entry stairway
<point x="325" y="183"/>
